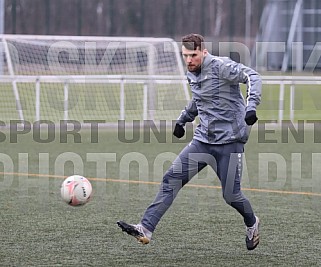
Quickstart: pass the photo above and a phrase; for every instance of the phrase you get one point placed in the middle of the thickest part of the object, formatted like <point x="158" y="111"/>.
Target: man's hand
<point x="250" y="117"/>
<point x="179" y="131"/>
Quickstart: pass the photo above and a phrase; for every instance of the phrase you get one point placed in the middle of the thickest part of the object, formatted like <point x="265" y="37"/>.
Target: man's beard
<point x="193" y="68"/>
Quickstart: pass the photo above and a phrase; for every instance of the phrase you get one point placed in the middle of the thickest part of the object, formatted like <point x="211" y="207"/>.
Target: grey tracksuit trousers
<point x="226" y="161"/>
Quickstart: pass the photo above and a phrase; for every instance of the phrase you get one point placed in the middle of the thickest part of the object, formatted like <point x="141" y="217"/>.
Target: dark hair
<point x="193" y="41"/>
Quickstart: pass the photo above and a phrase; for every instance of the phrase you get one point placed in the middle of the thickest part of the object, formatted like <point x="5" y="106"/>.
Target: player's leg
<point x="229" y="170"/>
<point x="193" y="158"/>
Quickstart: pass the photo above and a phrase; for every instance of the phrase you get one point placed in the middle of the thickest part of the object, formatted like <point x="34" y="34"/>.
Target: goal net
<point x="58" y="78"/>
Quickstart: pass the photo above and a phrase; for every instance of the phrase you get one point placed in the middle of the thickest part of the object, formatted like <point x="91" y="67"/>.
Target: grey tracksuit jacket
<point x="218" y="101"/>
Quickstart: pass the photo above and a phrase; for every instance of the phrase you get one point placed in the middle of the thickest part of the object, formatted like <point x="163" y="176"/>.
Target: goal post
<point x="79" y="78"/>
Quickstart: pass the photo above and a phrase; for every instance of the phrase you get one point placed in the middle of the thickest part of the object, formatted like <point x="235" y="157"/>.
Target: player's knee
<point x="228" y="200"/>
<point x="231" y="198"/>
<point x="175" y="178"/>
<point x="172" y="181"/>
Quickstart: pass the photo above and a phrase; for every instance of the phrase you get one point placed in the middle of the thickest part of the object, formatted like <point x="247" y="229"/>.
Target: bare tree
<point x="219" y="18"/>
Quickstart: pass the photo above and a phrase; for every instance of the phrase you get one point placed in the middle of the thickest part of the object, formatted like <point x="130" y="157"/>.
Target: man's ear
<point x="205" y="52"/>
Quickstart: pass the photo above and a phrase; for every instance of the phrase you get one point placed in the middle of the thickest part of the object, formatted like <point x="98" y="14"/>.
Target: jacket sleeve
<point x="238" y="73"/>
<point x="188" y="114"/>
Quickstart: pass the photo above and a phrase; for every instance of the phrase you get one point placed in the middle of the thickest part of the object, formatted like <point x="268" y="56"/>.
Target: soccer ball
<point x="76" y="190"/>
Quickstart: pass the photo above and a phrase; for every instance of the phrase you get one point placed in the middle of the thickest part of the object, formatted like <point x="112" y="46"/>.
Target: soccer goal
<point x="58" y="78"/>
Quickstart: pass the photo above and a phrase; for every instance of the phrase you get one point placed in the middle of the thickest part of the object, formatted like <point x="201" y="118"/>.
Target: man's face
<point x="193" y="58"/>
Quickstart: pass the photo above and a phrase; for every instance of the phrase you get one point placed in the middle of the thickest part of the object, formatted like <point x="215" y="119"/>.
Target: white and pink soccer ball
<point x="76" y="190"/>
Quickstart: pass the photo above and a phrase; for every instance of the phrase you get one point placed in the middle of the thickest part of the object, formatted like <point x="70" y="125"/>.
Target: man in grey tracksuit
<point x="225" y="121"/>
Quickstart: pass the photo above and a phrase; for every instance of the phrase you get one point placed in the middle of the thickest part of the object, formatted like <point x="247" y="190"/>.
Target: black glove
<point x="179" y="131"/>
<point x="250" y="117"/>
